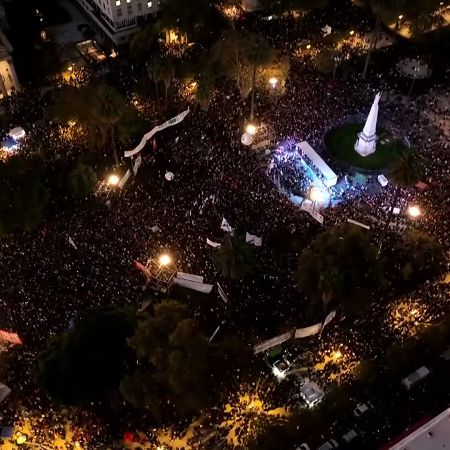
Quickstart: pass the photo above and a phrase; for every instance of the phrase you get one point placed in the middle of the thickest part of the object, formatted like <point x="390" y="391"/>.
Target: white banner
<point x="272" y="342"/>
<point x="212" y="243"/>
<point x="200" y="287"/>
<point x="226" y="226"/>
<point x="72" y="243"/>
<point x="124" y="179"/>
<point x="317" y="216"/>
<point x="174" y="121"/>
<point x="252" y="239"/>
<point x="314" y="329"/>
<point x="190" y="277"/>
<point x="359" y="224"/>
<point x="155" y="228"/>
<point x="137" y="164"/>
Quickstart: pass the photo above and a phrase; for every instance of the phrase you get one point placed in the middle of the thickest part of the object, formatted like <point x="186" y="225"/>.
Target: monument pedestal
<point x="366" y="145"/>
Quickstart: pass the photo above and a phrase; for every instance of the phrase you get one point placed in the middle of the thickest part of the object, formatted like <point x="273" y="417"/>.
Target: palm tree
<point x="235" y="258"/>
<point x="108" y="109"/>
<point x="404" y="172"/>
<point x="258" y="53"/>
<point x="205" y="87"/>
<point x="327" y="61"/>
<point x="379" y="7"/>
<point x="154" y="70"/>
<point x="81" y="180"/>
<point x="167" y="72"/>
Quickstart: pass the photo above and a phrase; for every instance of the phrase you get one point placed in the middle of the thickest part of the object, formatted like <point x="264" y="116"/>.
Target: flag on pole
<point x="72" y="243"/>
<point x="226" y="226"/>
<point x="155" y="228"/>
<point x="143" y="269"/>
<point x="252" y="239"/>
<point x="212" y="243"/>
<point x="222" y="294"/>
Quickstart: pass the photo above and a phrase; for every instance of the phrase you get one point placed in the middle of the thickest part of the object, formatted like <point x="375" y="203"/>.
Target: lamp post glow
<point x="352" y="33"/>
<point x="164" y="260"/>
<point x="273" y="82"/>
<point x="414" y="211"/>
<point x="308" y="46"/>
<point x="251" y="129"/>
<point x="400" y="16"/>
<point x="113" y="180"/>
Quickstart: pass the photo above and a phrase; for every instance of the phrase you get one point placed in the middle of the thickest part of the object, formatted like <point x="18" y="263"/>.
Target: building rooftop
<point x="433" y="434"/>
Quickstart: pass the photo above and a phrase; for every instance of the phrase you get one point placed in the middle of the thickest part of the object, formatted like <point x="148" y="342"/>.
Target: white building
<point x="8" y="77"/>
<point x="118" y="19"/>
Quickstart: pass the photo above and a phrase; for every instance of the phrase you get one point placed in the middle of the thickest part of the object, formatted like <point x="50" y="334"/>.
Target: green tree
<point x="327" y="61"/>
<point x="81" y="180"/>
<point x="404" y="172"/>
<point x="87" y="362"/>
<point x="205" y="88"/>
<point x="365" y="371"/>
<point x="341" y="266"/>
<point x="258" y="53"/>
<point x="401" y="358"/>
<point x="144" y="43"/>
<point x="101" y="109"/>
<point x="235" y="258"/>
<point x="180" y="371"/>
<point x="155" y="72"/>
<point x="422" y="255"/>
<point x="167" y="72"/>
<point x="23" y="196"/>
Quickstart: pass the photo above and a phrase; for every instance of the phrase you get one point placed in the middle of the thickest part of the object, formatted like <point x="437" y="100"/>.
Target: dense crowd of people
<point x="46" y="280"/>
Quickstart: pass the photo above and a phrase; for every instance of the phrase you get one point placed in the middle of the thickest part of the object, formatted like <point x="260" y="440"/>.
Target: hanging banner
<point x="199" y="287"/>
<point x="124" y="179"/>
<point x="137" y="164"/>
<point x="12" y="338"/>
<point x="266" y="345"/>
<point x="226" y="226"/>
<point x="190" y="277"/>
<point x="174" y="121"/>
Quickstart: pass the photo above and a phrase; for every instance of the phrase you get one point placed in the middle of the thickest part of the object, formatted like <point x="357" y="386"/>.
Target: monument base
<point x="366" y="145"/>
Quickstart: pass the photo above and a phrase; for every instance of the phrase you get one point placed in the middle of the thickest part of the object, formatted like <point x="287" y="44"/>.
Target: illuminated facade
<point x="8" y="77"/>
<point x="119" y="19"/>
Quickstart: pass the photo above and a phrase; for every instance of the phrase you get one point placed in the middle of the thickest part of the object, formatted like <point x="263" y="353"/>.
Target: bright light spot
<point x="21" y="439"/>
<point x="113" y="179"/>
<point x="308" y="46"/>
<point x="164" y="260"/>
<point x="352" y="33"/>
<point x="194" y="84"/>
<point x="414" y="312"/>
<point x="337" y="354"/>
<point x="400" y="16"/>
<point x="273" y="81"/>
<point x="414" y="211"/>
<point x="277" y="372"/>
<point x="251" y="129"/>
<point x="316" y="195"/>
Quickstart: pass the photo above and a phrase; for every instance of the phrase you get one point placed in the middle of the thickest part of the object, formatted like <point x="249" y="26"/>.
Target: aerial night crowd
<point x="46" y="281"/>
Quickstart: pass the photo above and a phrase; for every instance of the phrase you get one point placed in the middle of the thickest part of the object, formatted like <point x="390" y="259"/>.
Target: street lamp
<point x="273" y="82"/>
<point x="308" y="46"/>
<point x="337" y="354"/>
<point x="113" y="180"/>
<point x="352" y="33"/>
<point x="164" y="260"/>
<point x="400" y="16"/>
<point x="414" y="211"/>
<point x="251" y="129"/>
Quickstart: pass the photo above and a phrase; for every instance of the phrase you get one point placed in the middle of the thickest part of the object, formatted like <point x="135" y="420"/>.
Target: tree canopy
<point x="81" y="180"/>
<point x="340" y="267"/>
<point x="23" y="196"/>
<point x="87" y="362"/>
<point x="235" y="258"/>
<point x="180" y="371"/>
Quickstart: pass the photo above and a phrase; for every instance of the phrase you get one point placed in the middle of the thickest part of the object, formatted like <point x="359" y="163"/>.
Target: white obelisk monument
<point x="366" y="144"/>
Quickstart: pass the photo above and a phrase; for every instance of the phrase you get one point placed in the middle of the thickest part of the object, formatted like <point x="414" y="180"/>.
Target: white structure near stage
<point x="366" y="144"/>
<point x="312" y="159"/>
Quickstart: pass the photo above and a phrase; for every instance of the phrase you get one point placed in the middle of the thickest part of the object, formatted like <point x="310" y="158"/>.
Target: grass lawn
<point x="340" y="143"/>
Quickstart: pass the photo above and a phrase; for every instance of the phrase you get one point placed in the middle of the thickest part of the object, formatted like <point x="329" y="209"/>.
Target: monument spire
<point x="367" y="140"/>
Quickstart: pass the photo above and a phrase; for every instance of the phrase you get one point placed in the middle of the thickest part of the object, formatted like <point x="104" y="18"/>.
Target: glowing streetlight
<point x="251" y="129"/>
<point x="400" y="16"/>
<point x="164" y="260"/>
<point x="352" y="33"/>
<point x="194" y="84"/>
<point x="113" y="180"/>
<point x="414" y="211"/>
<point x="308" y="46"/>
<point x="337" y="354"/>
<point x="414" y="312"/>
<point x="273" y="82"/>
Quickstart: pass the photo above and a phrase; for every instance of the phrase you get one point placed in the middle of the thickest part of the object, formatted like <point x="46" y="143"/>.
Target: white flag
<point x="212" y="243"/>
<point x="226" y="226"/>
<point x="72" y="243"/>
<point x="252" y="239"/>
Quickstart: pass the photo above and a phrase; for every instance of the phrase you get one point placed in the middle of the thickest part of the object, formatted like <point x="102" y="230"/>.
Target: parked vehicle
<point x="420" y="374"/>
<point x="329" y="445"/>
<point x="351" y="435"/>
<point x="362" y="408"/>
<point x="303" y="447"/>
